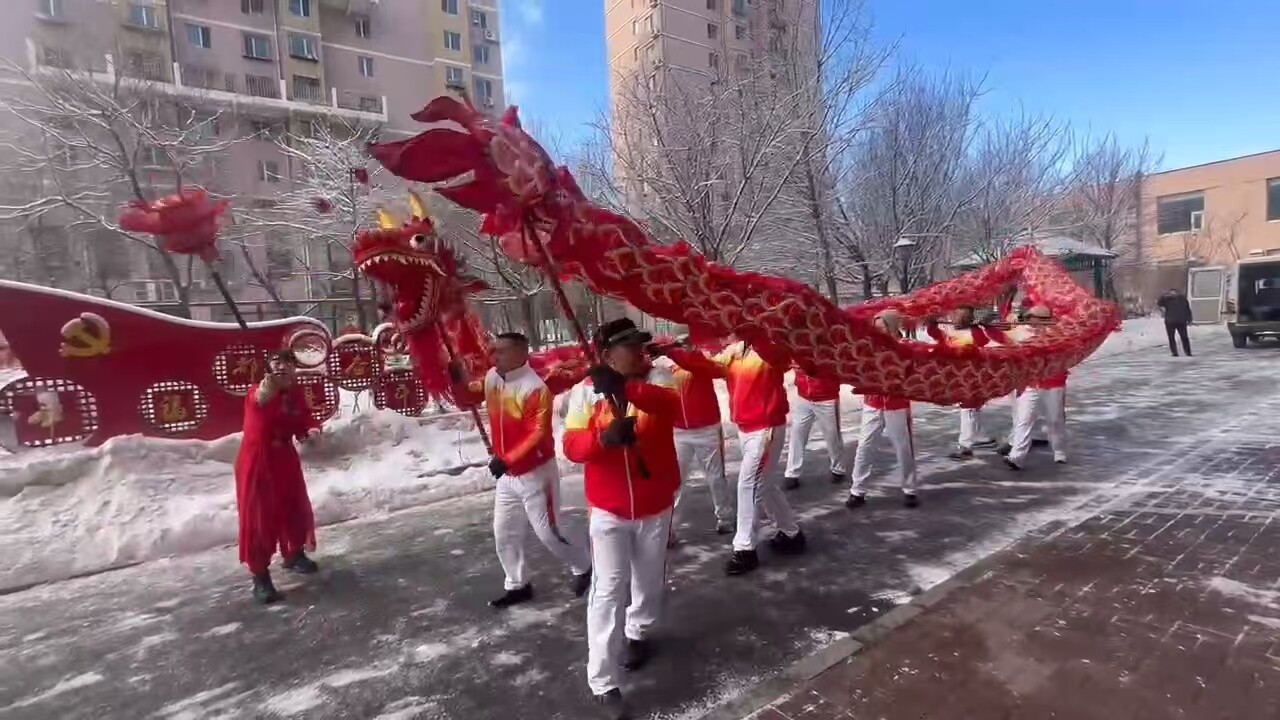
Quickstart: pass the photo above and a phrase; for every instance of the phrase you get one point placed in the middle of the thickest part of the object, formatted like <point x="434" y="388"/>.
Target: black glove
<point x="456" y="373"/>
<point x="497" y="467"/>
<point x="607" y="381"/>
<point x="620" y="433"/>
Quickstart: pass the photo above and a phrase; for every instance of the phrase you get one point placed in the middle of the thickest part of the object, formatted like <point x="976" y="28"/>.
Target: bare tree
<point x="1103" y="201"/>
<point x="312" y="225"/>
<point x="908" y="178"/>
<point x="1018" y="170"/>
<point x="79" y="144"/>
<point x="835" y="62"/>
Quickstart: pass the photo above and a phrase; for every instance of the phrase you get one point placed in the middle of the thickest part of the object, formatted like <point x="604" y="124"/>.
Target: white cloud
<point x="512" y="52"/>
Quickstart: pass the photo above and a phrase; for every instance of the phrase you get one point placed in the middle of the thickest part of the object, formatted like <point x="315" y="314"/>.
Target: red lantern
<point x="186" y="223"/>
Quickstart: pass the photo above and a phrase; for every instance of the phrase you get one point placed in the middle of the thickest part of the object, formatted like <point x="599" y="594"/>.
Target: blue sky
<point x="1195" y="77"/>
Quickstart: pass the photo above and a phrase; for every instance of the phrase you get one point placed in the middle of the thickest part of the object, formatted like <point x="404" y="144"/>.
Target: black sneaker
<point x="910" y="500"/>
<point x="853" y="502"/>
<point x="581" y="584"/>
<point x="264" y="591"/>
<point x="635" y="654"/>
<point x="839" y="478"/>
<point x="785" y="544"/>
<point x="988" y="443"/>
<point x="300" y="564"/>
<point x="961" y="454"/>
<point x="1004" y="449"/>
<point x="790" y="483"/>
<point x="742" y="562"/>
<point x="724" y="527"/>
<point x="512" y="597"/>
<point x="1012" y="465"/>
<point x="612" y="706"/>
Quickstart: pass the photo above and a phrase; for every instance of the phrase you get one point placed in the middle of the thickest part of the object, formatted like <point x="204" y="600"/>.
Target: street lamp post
<point x="903" y="250"/>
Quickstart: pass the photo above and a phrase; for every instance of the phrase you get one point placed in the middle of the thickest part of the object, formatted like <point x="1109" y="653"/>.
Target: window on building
<point x="713" y="31"/>
<point x="152" y="157"/>
<point x="362" y="26"/>
<point x="307" y="89"/>
<point x="480" y="54"/>
<point x="452" y="40"/>
<point x="199" y="36"/>
<point x="366" y="65"/>
<point x="301" y="8"/>
<point x="740" y="32"/>
<point x="484" y="91"/>
<point x="713" y="60"/>
<point x="739" y="7"/>
<point x="304" y="47"/>
<point x="368" y="103"/>
<point x="50" y="8"/>
<point x="143" y="15"/>
<point x="252" y="7"/>
<point x="449" y="6"/>
<point x="711" y="4"/>
<point x="260" y="129"/>
<point x="143" y="64"/>
<point x="1179" y="213"/>
<point x="257" y="46"/>
<point x="454" y="77"/>
<point x="480" y="19"/>
<point x="651" y="24"/>
<point x="635" y="26"/>
<point x="1273" y="199"/>
<point x="205" y="124"/>
<point x="269" y="171"/>
<point x="55" y="57"/>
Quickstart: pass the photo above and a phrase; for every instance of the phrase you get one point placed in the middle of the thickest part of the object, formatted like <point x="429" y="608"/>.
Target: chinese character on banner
<point x="355" y="364"/>
<point x="400" y="390"/>
<point x="320" y="393"/>
<point x="239" y="367"/>
<point x="173" y="406"/>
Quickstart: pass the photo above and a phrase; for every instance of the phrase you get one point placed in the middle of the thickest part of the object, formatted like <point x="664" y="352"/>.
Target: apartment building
<point x="1194" y="223"/>
<point x="265" y="67"/>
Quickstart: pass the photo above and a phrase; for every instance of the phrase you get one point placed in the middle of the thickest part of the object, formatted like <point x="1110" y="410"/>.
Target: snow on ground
<point x="71" y="510"/>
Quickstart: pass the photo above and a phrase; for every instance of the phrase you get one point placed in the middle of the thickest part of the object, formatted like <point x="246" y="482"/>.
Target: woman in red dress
<point x="271" y="494"/>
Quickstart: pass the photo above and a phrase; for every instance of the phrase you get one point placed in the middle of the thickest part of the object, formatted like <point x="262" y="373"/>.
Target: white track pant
<point x="758" y="482"/>
<point x="704" y="446"/>
<point x="1032" y="404"/>
<point x="896" y="425"/>
<point x="804" y="413"/>
<point x="532" y="499"/>
<point x="630" y="560"/>
<point x="971" y="430"/>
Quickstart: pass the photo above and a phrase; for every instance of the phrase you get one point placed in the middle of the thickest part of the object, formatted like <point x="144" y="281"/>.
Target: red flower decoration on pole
<point x="186" y="223"/>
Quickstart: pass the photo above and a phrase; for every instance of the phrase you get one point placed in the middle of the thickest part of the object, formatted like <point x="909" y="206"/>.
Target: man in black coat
<point x="1177" y="315"/>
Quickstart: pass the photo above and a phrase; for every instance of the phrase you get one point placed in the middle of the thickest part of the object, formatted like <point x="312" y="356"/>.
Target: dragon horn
<point x="385" y="220"/>
<point x="418" y="205"/>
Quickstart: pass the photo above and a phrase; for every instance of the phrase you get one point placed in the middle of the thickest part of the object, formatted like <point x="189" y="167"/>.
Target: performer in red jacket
<point x="819" y="402"/>
<point x="890" y="416"/>
<point x="965" y="333"/>
<point x="271" y="494"/>
<point x="1047" y="399"/>
<point x="524" y="464"/>
<point x="699" y="439"/>
<point x="758" y="406"/>
<point x="619" y="425"/>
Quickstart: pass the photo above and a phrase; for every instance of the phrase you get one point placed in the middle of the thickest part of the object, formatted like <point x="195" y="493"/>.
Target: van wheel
<point x="1240" y="340"/>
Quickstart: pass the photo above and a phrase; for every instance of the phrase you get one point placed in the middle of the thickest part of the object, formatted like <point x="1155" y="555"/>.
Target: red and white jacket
<point x="519" y="407"/>
<point x="631" y="482"/>
<point x="816" y="389"/>
<point x="886" y="402"/>
<point x="757" y="397"/>
<point x="699" y="405"/>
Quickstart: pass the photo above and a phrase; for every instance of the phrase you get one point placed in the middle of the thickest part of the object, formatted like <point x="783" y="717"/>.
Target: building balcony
<point x="251" y="93"/>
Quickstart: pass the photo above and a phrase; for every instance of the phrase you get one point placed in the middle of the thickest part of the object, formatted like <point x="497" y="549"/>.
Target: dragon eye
<point x="418" y="242"/>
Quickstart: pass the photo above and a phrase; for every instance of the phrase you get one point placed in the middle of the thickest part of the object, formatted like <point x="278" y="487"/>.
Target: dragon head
<point x="419" y="274"/>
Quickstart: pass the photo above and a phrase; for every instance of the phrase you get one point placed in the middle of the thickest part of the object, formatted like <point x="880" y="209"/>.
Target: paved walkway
<point x="1163" y="603"/>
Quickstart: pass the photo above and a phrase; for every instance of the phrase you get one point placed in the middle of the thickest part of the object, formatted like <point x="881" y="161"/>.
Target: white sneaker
<point x="1060" y="458"/>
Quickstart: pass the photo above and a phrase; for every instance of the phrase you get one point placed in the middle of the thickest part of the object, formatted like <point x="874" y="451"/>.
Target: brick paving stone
<point x="1163" y="604"/>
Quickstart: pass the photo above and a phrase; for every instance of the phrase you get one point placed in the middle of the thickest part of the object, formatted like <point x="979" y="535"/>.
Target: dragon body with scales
<point x="540" y="216"/>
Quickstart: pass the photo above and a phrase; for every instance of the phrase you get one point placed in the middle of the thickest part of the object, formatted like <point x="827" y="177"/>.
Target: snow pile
<point x="71" y="510"/>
